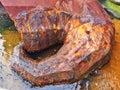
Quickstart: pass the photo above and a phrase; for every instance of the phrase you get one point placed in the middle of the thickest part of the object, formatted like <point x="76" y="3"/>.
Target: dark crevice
<point x="39" y="55"/>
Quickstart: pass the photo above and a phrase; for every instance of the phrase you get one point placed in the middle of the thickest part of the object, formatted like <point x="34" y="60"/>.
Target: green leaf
<point x="111" y="7"/>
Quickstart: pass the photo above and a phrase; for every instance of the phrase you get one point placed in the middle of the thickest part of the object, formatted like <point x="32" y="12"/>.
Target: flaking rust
<point x="83" y="27"/>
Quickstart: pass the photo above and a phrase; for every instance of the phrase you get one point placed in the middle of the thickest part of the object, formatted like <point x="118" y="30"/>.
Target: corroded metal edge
<point x="70" y="76"/>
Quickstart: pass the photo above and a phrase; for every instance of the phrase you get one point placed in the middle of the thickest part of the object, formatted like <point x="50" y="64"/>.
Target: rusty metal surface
<point x="87" y="42"/>
<point x="14" y="7"/>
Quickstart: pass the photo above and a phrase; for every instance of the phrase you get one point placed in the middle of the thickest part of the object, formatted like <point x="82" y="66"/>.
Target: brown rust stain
<point x="109" y="77"/>
<point x="63" y="67"/>
<point x="106" y="79"/>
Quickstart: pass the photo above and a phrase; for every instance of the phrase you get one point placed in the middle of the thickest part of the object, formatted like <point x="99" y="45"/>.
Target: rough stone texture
<point x="83" y="27"/>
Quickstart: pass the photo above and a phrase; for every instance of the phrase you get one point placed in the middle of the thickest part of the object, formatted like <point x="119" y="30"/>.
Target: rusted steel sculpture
<point x="83" y="27"/>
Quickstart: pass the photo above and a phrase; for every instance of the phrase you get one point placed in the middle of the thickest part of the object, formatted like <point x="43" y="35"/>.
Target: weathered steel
<point x="83" y="27"/>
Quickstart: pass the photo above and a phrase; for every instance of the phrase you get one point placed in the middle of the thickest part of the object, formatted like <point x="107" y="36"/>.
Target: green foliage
<point x="116" y="1"/>
<point x="113" y="8"/>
